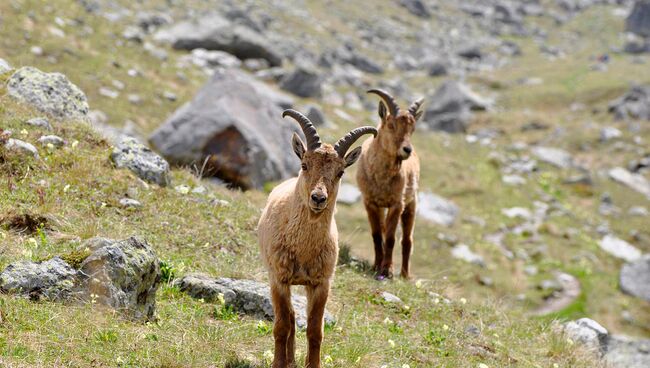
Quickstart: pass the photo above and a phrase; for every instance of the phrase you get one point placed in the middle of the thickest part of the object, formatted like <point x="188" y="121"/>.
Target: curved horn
<point x="313" y="140"/>
<point x="415" y="106"/>
<point x="342" y="146"/>
<point x="388" y="99"/>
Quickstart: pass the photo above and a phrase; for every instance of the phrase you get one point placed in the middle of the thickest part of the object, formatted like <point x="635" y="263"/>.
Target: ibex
<point x="388" y="175"/>
<point x="299" y="239"/>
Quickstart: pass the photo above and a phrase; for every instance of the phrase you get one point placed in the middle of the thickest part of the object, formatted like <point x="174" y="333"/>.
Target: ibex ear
<point x="382" y="111"/>
<point x="298" y="146"/>
<point x="418" y="115"/>
<point x="353" y="156"/>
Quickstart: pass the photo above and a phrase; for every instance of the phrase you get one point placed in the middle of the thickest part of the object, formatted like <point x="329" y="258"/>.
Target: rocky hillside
<point x="138" y="140"/>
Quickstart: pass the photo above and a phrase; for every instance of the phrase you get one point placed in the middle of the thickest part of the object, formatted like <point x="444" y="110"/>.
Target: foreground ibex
<point x="298" y="236"/>
<point x="388" y="176"/>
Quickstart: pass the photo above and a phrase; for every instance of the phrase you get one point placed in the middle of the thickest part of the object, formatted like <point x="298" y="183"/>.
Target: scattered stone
<point x="52" y="280"/>
<point x="450" y="107"/>
<point x="609" y="133"/>
<point x="437" y="209"/>
<point x="635" y="278"/>
<point x="626" y="352"/>
<point x="54" y="140"/>
<point x="303" y="82"/>
<point x="109" y="93"/>
<point x="569" y="290"/>
<point x="634" y="181"/>
<point x="51" y="93"/>
<point x="316" y="116"/>
<point x="390" y="298"/>
<point x="416" y="7"/>
<point x="146" y="164"/>
<point x="485" y="281"/>
<point x="634" y="104"/>
<point x="170" y="96"/>
<point x="124" y="275"/>
<point x="638" y="21"/>
<point x="517" y="212"/>
<point x="531" y="270"/>
<point x="39" y="122"/>
<point x="233" y="129"/>
<point x="4" y="66"/>
<point x="589" y="333"/>
<point x="22" y="147"/>
<point x="130" y="203"/>
<point x="554" y="156"/>
<point x="638" y="211"/>
<point x="245" y="296"/>
<point x="464" y="253"/>
<point x="619" y="248"/>
<point x="514" y="180"/>
<point x="348" y="194"/>
<point x="214" y="58"/>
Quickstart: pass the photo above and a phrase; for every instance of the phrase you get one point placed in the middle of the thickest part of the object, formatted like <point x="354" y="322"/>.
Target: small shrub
<point x="107" y="336"/>
<point x="167" y="271"/>
<point x="76" y="257"/>
<point x="263" y="328"/>
<point x="225" y="313"/>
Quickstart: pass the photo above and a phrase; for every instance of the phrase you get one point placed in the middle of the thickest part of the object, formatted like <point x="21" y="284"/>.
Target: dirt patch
<point x="25" y="222"/>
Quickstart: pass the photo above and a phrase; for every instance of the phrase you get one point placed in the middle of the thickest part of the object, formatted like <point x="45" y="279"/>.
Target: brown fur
<point x="388" y="179"/>
<point x="299" y="245"/>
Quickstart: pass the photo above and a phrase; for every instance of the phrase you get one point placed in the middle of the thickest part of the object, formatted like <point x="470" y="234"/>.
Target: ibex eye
<point x="304" y="167"/>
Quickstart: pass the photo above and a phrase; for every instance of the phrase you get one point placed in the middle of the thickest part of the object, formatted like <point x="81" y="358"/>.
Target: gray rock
<point x="554" y="156"/>
<point x="635" y="278"/>
<point x="237" y="127"/>
<point x="316" y="115"/>
<point x="638" y="21"/>
<point x="303" y="82"/>
<point x="130" y="203"/>
<point x="619" y="248"/>
<point x="436" y="209"/>
<point x="464" y="253"/>
<point x="609" y="133"/>
<point x="626" y="352"/>
<point x="51" y="280"/>
<point x="22" y="147"/>
<point x="634" y="104"/>
<point x="636" y="182"/>
<point x="51" y="93"/>
<point x="124" y="275"/>
<point x="566" y="289"/>
<point x="517" y="212"/>
<point x="146" y="164"/>
<point x="54" y="140"/>
<point x="416" y="7"/>
<point x="348" y="194"/>
<point x="39" y="122"/>
<point x="638" y="211"/>
<point x="245" y="296"/>
<point x="449" y="108"/>
<point x="214" y="32"/>
<point x="589" y="333"/>
<point x="206" y="58"/>
<point x="390" y="298"/>
<point x="4" y="66"/>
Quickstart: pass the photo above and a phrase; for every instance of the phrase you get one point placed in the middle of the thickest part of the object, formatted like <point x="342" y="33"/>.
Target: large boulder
<point x="233" y="130"/>
<point x="146" y="164"/>
<point x="51" y="280"/>
<point x="51" y="93"/>
<point x="124" y="275"/>
<point x="245" y="296"/>
<point x="635" y="278"/>
<point x="638" y="21"/>
<point x="214" y="32"/>
<point x="626" y="352"/>
<point x="449" y="108"/>
<point x="635" y="104"/>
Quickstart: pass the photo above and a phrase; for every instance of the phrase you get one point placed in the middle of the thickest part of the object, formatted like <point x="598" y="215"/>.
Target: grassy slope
<point x="197" y="236"/>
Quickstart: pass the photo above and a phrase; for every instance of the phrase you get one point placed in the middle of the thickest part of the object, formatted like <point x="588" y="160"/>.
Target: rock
<point x="517" y="212"/>
<point x="215" y="58"/>
<point x="214" y="32"/>
<point x="21" y="147"/>
<point x="51" y="93"/>
<point x="635" y="278"/>
<point x="348" y="194"/>
<point x="554" y="156"/>
<point x="416" y="7"/>
<point x="634" y="104"/>
<point x="130" y="203"/>
<point x="634" y="181"/>
<point x="462" y="252"/>
<point x="348" y="55"/>
<point x="390" y="298"/>
<point x="619" y="248"/>
<point x="514" y="180"/>
<point x="51" y="280"/>
<point x="638" y="211"/>
<point x="589" y="333"/>
<point x="303" y="82"/>
<point x="609" y="133"/>
<point x="39" y="122"/>
<point x="436" y="209"/>
<point x="449" y="109"/>
<point x="566" y="289"/>
<point x="471" y="52"/>
<point x="626" y="352"/>
<point x="142" y="161"/>
<point x="4" y="66"/>
<point x="237" y="127"/>
<point x="437" y="69"/>
<point x="108" y="93"/>
<point x="316" y="116"/>
<point x="638" y="21"/>
<point x="245" y="296"/>
<point x="54" y="140"/>
<point x="124" y="275"/>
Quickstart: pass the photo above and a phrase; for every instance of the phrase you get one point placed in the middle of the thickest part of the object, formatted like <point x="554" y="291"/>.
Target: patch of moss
<point x="76" y="257"/>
